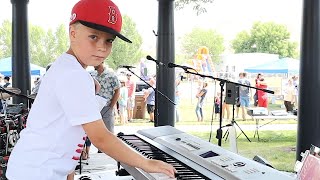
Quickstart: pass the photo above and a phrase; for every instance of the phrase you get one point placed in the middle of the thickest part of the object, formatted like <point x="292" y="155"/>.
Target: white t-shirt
<point x="50" y="146"/>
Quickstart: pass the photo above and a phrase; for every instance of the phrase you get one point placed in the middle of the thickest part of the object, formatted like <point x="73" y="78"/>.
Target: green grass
<point x="278" y="148"/>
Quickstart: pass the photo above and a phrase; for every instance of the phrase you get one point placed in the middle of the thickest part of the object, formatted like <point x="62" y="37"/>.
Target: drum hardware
<point x="11" y="123"/>
<point x="6" y="93"/>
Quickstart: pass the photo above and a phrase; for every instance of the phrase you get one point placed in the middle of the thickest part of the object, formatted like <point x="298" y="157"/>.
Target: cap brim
<point x="104" y="29"/>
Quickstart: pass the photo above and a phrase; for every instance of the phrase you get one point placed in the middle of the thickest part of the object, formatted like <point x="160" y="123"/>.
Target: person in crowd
<point x="225" y="107"/>
<point x="143" y="70"/>
<point x="217" y="105"/>
<point x="131" y="85"/>
<point x="7" y="82"/>
<point x="255" y="96"/>
<point x="201" y="95"/>
<point x="66" y="109"/>
<point x="244" y="94"/>
<point x="295" y="82"/>
<point x="110" y="90"/>
<point x="262" y="96"/>
<point x="289" y="96"/>
<point x="177" y="98"/>
<point x="123" y="101"/>
<point x="149" y="97"/>
<point x="36" y="80"/>
<point x="6" y="85"/>
<point x="35" y="89"/>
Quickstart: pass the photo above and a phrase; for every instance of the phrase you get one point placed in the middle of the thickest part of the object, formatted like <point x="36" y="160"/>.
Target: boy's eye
<point x="93" y="36"/>
<point x="110" y="40"/>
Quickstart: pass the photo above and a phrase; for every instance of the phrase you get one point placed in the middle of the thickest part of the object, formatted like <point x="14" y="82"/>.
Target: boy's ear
<point x="72" y="32"/>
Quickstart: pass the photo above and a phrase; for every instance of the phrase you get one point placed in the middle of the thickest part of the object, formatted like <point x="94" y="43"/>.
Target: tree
<point x="266" y="38"/>
<point x="62" y="40"/>
<point x="200" y="37"/>
<point x="123" y="52"/>
<point x="197" y="5"/>
<point x="46" y="46"/>
<point x="5" y="39"/>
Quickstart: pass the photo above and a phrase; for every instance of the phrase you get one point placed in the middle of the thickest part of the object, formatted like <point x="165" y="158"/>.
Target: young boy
<point x="66" y="110"/>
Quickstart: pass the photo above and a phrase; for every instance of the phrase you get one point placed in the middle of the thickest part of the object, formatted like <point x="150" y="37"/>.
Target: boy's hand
<point x="156" y="166"/>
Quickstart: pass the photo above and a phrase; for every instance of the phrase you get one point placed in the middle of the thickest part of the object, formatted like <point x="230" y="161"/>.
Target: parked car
<point x="140" y="85"/>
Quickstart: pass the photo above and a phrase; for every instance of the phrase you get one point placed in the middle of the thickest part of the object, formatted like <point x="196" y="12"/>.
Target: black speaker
<point x="232" y="93"/>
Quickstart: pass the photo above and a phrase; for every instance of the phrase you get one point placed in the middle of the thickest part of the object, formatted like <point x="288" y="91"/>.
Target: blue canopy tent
<point x="6" y="68"/>
<point x="285" y="65"/>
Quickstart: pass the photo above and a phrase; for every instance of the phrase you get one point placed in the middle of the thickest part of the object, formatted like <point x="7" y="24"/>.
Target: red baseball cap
<point x="102" y="15"/>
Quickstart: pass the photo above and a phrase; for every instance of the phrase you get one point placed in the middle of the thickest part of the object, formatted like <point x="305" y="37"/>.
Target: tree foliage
<point x="200" y="37"/>
<point x="266" y="38"/>
<point x="197" y="5"/>
<point x="44" y="46"/>
<point x="5" y="39"/>
<point x="123" y="52"/>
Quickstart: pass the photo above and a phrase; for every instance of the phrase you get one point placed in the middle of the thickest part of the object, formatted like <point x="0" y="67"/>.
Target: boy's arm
<point x="114" y="147"/>
<point x="115" y="97"/>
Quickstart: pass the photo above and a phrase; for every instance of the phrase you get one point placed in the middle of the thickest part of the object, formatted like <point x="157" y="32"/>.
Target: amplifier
<point x="258" y="111"/>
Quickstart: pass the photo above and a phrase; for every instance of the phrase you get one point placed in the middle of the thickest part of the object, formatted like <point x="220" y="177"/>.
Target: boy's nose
<point x="102" y="46"/>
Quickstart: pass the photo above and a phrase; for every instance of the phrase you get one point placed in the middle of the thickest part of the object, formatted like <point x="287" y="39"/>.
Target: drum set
<point x="12" y="120"/>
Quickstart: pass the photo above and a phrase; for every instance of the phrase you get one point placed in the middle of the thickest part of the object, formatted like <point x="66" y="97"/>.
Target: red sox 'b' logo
<point x="112" y="15"/>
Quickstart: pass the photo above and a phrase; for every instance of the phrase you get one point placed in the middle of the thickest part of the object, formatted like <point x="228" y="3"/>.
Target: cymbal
<point x="4" y="96"/>
<point x="14" y="90"/>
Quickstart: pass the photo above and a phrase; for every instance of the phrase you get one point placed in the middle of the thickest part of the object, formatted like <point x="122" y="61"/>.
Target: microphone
<point x="128" y="67"/>
<point x="156" y="61"/>
<point x="172" y="65"/>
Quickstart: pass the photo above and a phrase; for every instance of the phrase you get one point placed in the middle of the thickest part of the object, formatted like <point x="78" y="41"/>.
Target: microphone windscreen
<point x="149" y="57"/>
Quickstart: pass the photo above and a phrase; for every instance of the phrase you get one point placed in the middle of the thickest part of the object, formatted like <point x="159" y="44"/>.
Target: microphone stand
<point x="222" y="83"/>
<point x="155" y="90"/>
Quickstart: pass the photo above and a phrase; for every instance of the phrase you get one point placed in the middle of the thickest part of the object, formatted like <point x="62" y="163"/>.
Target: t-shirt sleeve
<point x="76" y="94"/>
<point x="116" y="81"/>
<point x="150" y="90"/>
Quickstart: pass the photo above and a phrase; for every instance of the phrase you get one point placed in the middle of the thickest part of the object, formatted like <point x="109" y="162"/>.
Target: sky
<point x="228" y="17"/>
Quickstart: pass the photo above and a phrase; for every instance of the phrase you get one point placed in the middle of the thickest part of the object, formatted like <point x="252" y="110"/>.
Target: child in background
<point x="201" y="95"/>
<point x="123" y="99"/>
<point x="216" y="105"/>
